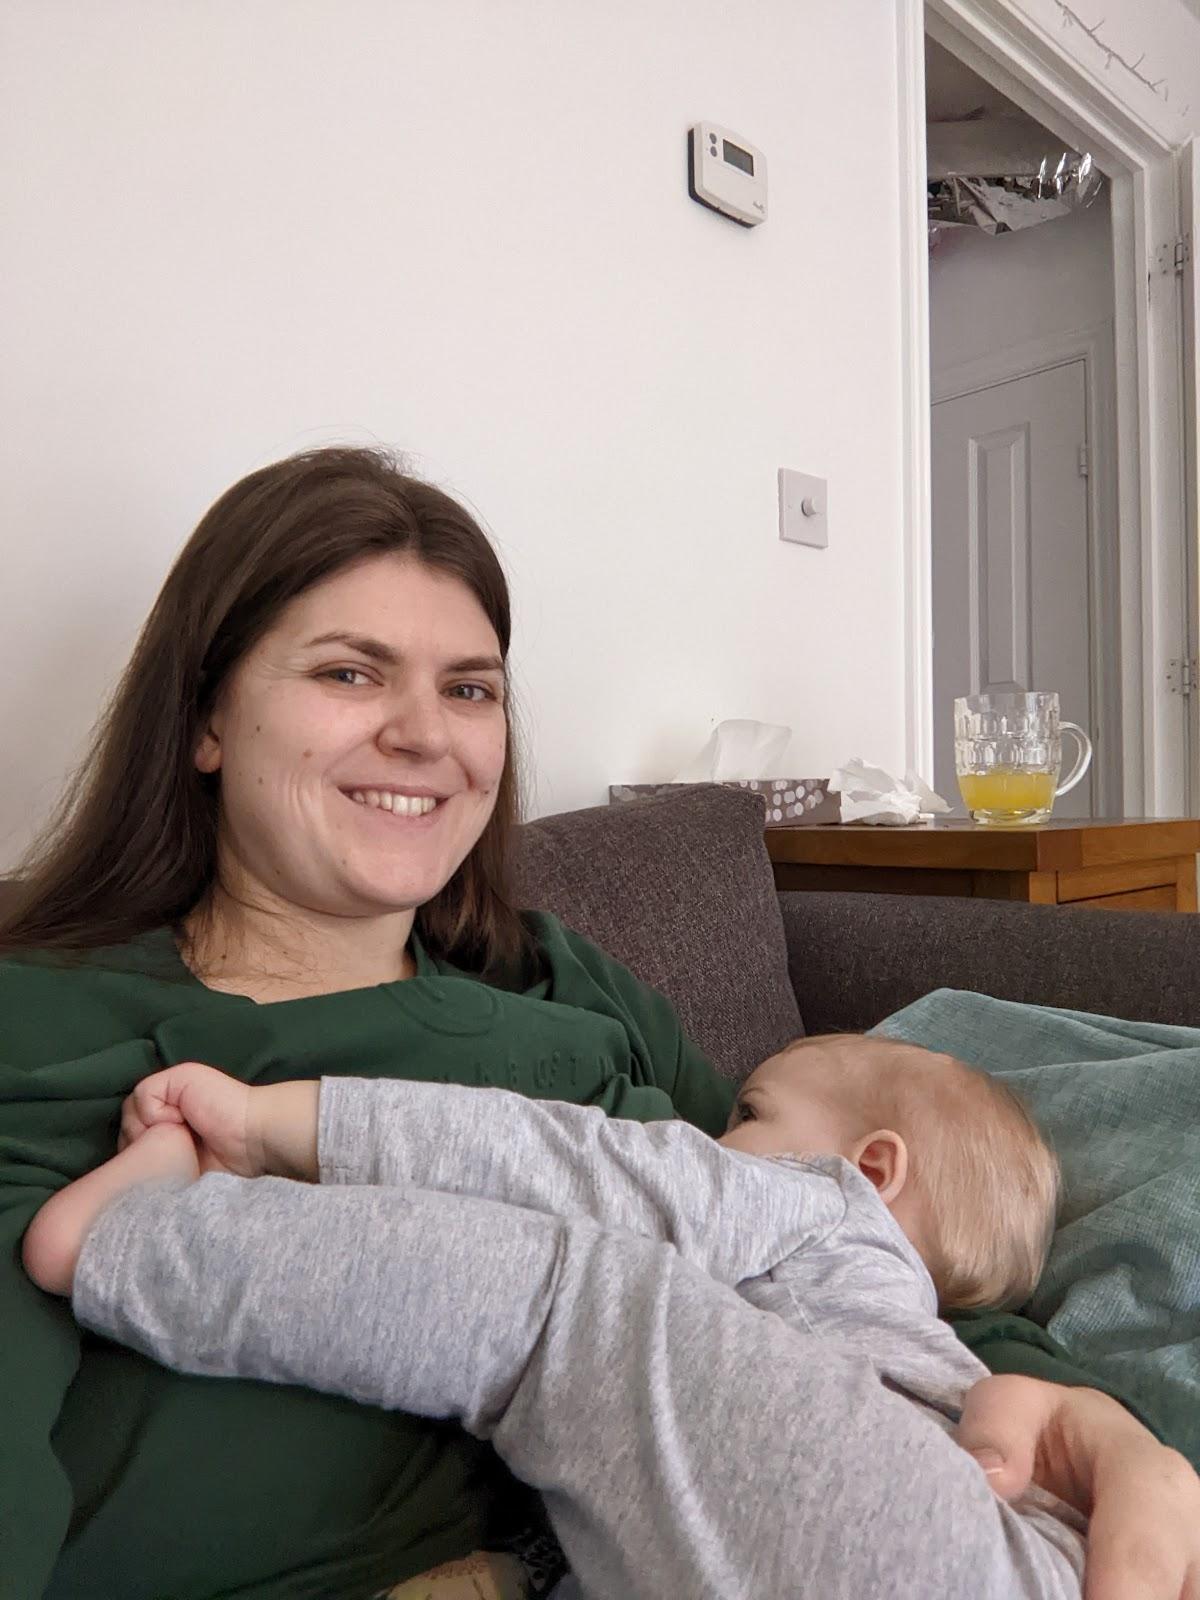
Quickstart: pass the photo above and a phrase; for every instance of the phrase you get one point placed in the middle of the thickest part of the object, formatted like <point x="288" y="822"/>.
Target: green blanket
<point x="1120" y="1102"/>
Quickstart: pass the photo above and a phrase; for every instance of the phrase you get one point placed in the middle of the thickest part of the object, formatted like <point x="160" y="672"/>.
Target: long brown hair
<point x="134" y="843"/>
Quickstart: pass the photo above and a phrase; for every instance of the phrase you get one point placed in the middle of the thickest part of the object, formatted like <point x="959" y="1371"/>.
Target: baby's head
<point x="952" y="1151"/>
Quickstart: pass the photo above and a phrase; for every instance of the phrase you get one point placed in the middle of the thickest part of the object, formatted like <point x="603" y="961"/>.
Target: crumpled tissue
<point x="738" y="748"/>
<point x="869" y="794"/>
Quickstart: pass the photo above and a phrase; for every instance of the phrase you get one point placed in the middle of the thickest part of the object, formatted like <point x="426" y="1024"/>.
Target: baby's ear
<point x="883" y="1158"/>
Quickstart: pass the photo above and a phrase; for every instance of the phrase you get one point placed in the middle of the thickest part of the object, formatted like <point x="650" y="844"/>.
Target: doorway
<point x="1151" y="656"/>
<point x="1010" y="555"/>
<point x="1022" y="435"/>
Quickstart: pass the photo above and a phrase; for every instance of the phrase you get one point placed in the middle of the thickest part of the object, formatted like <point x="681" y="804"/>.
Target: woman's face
<point x="383" y="681"/>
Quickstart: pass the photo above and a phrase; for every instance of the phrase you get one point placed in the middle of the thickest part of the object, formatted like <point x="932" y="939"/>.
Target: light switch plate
<point x="795" y="524"/>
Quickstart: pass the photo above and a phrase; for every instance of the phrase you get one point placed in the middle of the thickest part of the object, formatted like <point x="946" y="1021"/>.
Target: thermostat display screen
<point x="737" y="157"/>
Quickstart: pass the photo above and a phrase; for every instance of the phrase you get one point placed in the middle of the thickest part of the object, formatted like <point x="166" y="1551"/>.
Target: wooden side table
<point x="1130" y="865"/>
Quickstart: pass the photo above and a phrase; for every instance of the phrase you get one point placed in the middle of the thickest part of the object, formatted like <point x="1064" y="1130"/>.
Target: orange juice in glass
<point x="1008" y="754"/>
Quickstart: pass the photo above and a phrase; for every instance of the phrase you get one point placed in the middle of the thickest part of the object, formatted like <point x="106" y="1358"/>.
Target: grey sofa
<point x="679" y="888"/>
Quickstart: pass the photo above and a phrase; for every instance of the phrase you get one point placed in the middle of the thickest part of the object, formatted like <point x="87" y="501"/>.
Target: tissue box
<point x="789" y="802"/>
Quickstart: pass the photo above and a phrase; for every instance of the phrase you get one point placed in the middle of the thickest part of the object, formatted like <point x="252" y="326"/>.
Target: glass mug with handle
<point x="1008" y="754"/>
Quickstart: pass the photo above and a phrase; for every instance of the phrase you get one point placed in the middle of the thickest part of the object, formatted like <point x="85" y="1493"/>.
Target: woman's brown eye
<point x="745" y="1112"/>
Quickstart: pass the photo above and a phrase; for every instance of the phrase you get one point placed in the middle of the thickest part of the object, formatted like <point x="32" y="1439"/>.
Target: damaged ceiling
<point x="989" y="164"/>
<point x="972" y="126"/>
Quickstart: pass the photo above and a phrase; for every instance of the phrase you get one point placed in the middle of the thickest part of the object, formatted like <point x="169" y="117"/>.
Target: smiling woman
<point x="287" y="854"/>
<point x="358" y="765"/>
<point x="333" y="636"/>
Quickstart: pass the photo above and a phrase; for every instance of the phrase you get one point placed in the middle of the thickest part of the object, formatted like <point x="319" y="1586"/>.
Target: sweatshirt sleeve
<point x="731" y="1214"/>
<point x="39" y="1355"/>
<point x="54" y="1124"/>
<point x="57" y="1120"/>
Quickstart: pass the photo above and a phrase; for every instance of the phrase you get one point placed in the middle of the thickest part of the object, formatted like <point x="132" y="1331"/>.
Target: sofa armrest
<point x="855" y="958"/>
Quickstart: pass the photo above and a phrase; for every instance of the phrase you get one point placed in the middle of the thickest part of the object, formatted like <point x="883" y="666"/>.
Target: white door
<point x="1010" y="555"/>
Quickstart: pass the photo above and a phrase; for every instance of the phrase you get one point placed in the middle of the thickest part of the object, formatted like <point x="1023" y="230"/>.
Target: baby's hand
<point x="216" y="1107"/>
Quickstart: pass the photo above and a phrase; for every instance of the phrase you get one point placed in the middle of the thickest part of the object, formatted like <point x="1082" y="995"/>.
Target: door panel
<point x="998" y="561"/>
<point x="1010" y="554"/>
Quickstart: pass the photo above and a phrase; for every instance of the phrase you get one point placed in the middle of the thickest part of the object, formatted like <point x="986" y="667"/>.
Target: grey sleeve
<point x="734" y="1215"/>
<point x="638" y="1395"/>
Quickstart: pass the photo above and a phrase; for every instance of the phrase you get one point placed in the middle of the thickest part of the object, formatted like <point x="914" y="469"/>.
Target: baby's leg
<point x="685" y="1443"/>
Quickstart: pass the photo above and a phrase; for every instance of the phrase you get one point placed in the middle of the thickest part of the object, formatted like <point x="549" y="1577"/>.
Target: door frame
<point x="1027" y="63"/>
<point x="1094" y="347"/>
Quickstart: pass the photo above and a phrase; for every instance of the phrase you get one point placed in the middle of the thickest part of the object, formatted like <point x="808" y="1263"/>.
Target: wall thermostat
<point x="726" y="174"/>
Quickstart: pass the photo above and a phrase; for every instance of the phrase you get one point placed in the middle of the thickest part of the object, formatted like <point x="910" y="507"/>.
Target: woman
<point x="298" y="808"/>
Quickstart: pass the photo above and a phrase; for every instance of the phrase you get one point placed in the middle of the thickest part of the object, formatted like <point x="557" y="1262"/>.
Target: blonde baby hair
<point x="986" y="1179"/>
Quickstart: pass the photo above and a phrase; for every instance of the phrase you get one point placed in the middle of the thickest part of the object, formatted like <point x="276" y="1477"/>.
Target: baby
<point x="861" y="1186"/>
<point x="951" y="1151"/>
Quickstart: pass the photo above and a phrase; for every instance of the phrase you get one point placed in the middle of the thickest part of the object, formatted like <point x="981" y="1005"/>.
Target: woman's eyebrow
<point x="376" y="650"/>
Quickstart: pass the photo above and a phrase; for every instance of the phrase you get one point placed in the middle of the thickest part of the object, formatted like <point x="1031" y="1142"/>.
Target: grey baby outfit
<point x="588" y="1294"/>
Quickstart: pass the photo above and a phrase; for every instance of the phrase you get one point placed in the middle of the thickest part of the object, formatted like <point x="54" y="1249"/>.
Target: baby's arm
<point x="734" y="1215"/>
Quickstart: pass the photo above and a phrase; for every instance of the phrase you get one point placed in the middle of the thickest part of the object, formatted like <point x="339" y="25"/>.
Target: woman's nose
<point x="416" y="721"/>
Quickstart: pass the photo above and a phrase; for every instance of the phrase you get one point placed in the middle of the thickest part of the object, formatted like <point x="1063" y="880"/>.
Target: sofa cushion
<point x="678" y="888"/>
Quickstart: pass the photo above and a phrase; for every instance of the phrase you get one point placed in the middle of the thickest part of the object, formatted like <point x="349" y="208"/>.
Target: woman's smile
<point x="395" y="804"/>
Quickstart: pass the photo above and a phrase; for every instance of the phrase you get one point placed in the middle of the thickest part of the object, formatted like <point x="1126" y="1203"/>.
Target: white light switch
<point x="803" y="508"/>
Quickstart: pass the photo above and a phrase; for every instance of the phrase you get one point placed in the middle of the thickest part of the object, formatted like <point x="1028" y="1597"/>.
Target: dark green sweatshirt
<point x="120" y="1480"/>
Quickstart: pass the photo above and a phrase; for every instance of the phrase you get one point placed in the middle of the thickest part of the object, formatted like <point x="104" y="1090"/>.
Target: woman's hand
<point x="213" y="1105"/>
<point x="1143" y="1499"/>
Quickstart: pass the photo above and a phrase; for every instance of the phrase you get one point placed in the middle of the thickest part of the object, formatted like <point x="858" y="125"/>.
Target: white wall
<point x="232" y="229"/>
<point x="990" y="293"/>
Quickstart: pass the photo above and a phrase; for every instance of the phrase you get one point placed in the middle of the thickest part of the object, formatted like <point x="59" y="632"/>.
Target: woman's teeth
<point x="400" y="805"/>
